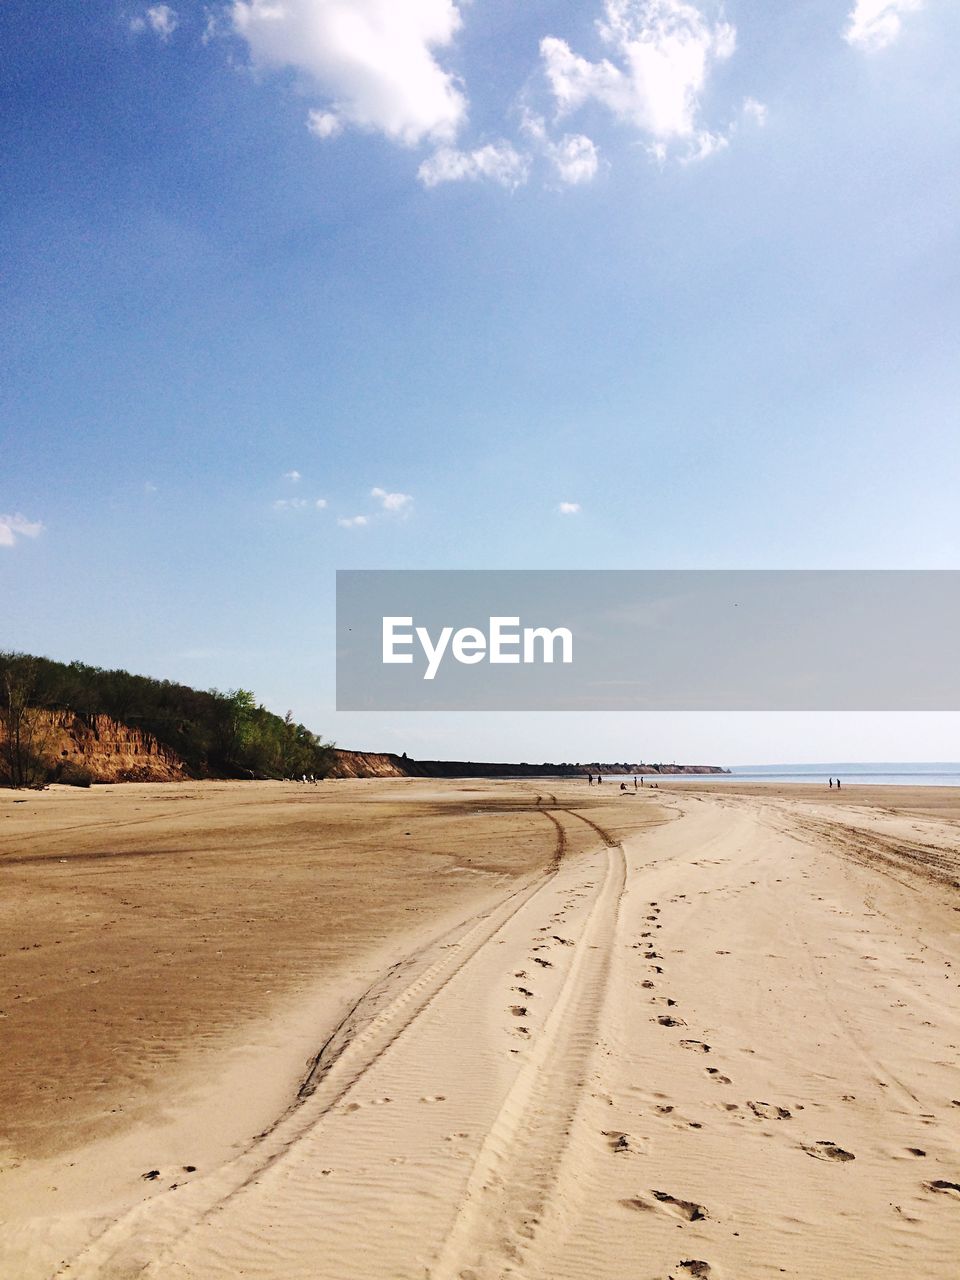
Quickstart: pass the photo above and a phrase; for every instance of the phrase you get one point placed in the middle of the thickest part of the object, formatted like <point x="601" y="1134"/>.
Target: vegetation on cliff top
<point x="214" y="733"/>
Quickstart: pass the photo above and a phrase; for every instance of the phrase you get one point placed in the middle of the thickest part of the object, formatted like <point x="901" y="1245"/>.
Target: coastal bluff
<point x="381" y="764"/>
<point x="97" y="748"/>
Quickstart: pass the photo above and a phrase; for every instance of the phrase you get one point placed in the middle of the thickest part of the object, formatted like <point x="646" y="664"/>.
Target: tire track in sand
<point x="509" y="1186"/>
<point x="136" y="1242"/>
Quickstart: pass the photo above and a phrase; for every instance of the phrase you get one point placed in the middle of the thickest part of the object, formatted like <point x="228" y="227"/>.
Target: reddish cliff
<point x="373" y="764"/>
<point x="102" y="750"/>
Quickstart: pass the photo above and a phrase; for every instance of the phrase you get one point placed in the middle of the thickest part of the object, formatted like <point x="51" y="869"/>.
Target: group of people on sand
<point x="834" y="782"/>
<point x="623" y="785"/>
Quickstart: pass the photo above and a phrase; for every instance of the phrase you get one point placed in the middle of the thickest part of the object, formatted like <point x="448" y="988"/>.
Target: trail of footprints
<point x="547" y="938"/>
<point x="620" y="1144"/>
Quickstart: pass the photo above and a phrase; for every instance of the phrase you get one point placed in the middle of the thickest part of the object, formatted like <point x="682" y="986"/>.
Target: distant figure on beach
<point x="838" y="784"/>
<point x="623" y="786"/>
<point x="641" y="782"/>
<point x="830" y="783"/>
<point x="590" y="778"/>
<point x="599" y="779"/>
<point x="634" y="784"/>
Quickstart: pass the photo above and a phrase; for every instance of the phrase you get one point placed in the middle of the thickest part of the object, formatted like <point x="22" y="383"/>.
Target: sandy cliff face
<point x="107" y="750"/>
<point x="373" y="764"/>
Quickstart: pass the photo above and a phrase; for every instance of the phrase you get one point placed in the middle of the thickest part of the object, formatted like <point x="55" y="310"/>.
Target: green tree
<point x="24" y="729"/>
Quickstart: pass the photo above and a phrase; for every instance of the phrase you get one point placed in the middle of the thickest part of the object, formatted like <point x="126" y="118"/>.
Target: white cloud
<point x="352" y="522"/>
<point x="324" y="124"/>
<point x="662" y="51"/>
<point x="373" y="60"/>
<point x="392" y="501"/>
<point x="290" y="504"/>
<point x="498" y="161"/>
<point x="320" y="504"/>
<point x="875" y="24"/>
<point x="569" y="508"/>
<point x="755" y="111"/>
<point x="14" y="527"/>
<point x="160" y="19"/>
<point x="703" y="144"/>
<point x="291" y="475"/>
<point x="575" y="157"/>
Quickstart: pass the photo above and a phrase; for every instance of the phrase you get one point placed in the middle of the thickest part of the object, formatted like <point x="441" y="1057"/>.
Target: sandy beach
<point x="471" y="1030"/>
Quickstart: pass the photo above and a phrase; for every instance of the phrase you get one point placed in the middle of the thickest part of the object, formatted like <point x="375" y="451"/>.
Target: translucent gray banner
<point x="661" y="640"/>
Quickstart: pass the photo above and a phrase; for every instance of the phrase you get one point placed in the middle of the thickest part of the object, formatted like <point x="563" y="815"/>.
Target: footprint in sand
<point x="695" y="1267"/>
<point x="544" y="964"/>
<point x="697" y="1046"/>
<point x="827" y="1151"/>
<point x="518" y="1010"/>
<point x="433" y="1097"/>
<point x="717" y="1076"/>
<point x="618" y="1141"/>
<point x="767" y="1111"/>
<point x="941" y="1184"/>
<point x="665" y="1020"/>
<point x="686" y="1209"/>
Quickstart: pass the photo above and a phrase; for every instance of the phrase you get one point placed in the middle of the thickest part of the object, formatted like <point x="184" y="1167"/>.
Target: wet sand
<point x="480" y="1029"/>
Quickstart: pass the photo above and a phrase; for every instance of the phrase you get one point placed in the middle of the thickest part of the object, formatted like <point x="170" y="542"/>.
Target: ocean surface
<point x="887" y="774"/>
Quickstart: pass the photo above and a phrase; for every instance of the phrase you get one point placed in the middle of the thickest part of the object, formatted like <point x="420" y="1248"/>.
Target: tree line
<point x="215" y="733"/>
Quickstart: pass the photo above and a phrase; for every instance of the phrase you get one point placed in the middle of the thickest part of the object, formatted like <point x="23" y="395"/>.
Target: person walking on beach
<point x="634" y="783"/>
<point x="590" y="779"/>
<point x="830" y="783"/>
<point x="599" y="779"/>
<point x="838" y="784"/>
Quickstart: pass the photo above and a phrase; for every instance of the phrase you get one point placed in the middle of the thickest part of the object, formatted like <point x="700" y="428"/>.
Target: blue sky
<point x="690" y="271"/>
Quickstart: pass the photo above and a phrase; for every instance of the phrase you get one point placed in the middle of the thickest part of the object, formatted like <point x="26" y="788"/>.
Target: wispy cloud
<point x="373" y="62"/>
<point x="290" y="504"/>
<point x="755" y="111"/>
<point x="569" y="508"/>
<point x="12" y="528"/>
<point x="159" y="18"/>
<point x="320" y="504"/>
<point x="661" y="54"/>
<point x="574" y="156"/>
<point x="324" y="124"/>
<point x="392" y="501"/>
<point x="292" y="475"/>
<point x="352" y="522"/>
<point x="875" y="24"/>
<point x="497" y="161"/>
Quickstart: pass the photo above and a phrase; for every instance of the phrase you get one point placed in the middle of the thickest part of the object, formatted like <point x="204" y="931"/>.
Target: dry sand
<point x="467" y="1031"/>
